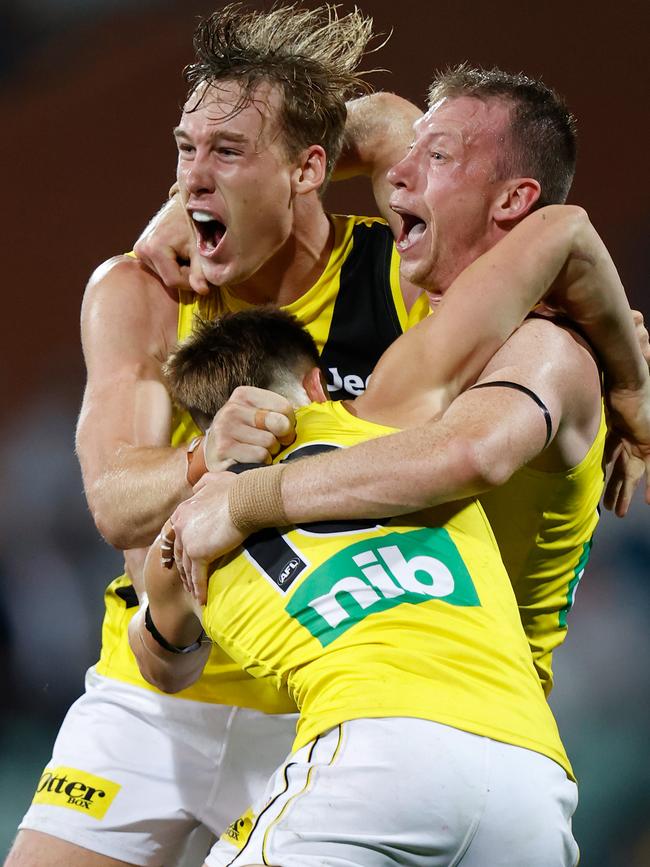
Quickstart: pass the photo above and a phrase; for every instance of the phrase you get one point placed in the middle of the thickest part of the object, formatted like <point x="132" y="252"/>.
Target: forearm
<point x="593" y="296"/>
<point x="365" y="481"/>
<point x="166" y="671"/>
<point x="377" y="129"/>
<point x="138" y="489"/>
<point x="172" y="613"/>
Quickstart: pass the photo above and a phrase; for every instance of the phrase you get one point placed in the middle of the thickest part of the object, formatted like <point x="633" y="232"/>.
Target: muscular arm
<point x="484" y="437"/>
<point x="133" y="479"/>
<point x="554" y="250"/>
<point x="378" y="132"/>
<point x="176" y="618"/>
<point x="437" y="462"/>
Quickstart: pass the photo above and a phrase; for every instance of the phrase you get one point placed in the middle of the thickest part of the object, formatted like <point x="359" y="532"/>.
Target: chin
<point x="217" y="275"/>
<point x="415" y="272"/>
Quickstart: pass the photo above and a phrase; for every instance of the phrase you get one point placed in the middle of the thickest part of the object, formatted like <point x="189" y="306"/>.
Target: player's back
<point x="379" y="619"/>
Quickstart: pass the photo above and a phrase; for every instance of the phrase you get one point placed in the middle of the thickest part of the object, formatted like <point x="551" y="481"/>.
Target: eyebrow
<point x="179" y="132"/>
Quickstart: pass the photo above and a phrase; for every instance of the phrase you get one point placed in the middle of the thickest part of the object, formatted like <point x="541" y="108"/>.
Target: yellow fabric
<point x="315" y="307"/>
<point x="406" y="619"/>
<point x="223" y="681"/>
<point x="544" y="523"/>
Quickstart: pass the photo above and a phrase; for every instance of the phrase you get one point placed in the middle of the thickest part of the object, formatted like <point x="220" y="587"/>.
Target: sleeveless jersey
<point x="354" y="312"/>
<point x="544" y="524"/>
<point x="413" y="616"/>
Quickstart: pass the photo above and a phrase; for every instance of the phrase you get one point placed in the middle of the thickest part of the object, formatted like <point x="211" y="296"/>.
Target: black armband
<point x="162" y="641"/>
<point x="504" y="383"/>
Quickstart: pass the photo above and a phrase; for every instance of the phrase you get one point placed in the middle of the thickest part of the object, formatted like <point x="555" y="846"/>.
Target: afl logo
<point x="288" y="571"/>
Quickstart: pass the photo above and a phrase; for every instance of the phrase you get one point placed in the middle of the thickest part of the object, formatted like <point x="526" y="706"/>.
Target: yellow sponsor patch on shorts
<point x="238" y="832"/>
<point x="77" y="790"/>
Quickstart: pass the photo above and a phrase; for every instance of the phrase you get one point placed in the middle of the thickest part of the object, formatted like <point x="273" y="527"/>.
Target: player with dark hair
<point x="226" y="353"/>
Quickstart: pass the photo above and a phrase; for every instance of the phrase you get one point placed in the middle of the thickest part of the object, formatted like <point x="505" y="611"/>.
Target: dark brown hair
<point x="542" y="134"/>
<point x="264" y="347"/>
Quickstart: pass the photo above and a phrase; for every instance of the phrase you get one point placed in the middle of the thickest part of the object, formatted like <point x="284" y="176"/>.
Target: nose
<point x="401" y="174"/>
<point x="197" y="176"/>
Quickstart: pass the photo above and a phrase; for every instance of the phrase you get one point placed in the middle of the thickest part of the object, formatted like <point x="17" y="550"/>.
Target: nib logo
<point x="378" y="574"/>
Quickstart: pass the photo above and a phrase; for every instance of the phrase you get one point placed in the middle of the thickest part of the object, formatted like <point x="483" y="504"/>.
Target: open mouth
<point x="413" y="227"/>
<point x="210" y="231"/>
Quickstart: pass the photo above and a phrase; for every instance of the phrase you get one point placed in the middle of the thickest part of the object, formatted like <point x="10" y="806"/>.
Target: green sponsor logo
<point x="380" y="573"/>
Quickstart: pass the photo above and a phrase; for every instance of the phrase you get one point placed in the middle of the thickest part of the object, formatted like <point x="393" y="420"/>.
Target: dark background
<point x="89" y="93"/>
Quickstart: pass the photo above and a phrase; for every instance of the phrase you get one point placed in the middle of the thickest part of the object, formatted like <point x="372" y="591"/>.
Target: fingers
<point x="171" y="271"/>
<point x="626" y="473"/>
<point x="612" y="489"/>
<point x="200" y="581"/>
<point x="280" y="426"/>
<point x="197" y="281"/>
<point x="167" y="539"/>
<point x="251" y="427"/>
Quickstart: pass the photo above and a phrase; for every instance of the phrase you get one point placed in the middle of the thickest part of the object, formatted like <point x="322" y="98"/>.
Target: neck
<point x="297" y="264"/>
<point x="440" y="283"/>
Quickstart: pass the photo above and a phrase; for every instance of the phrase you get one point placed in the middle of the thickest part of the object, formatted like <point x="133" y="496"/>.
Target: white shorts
<point x="383" y="792"/>
<point x="135" y="774"/>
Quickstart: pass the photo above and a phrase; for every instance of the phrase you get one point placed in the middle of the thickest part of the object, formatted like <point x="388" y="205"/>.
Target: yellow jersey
<point x="354" y="311"/>
<point x="544" y="523"/>
<point x="413" y="616"/>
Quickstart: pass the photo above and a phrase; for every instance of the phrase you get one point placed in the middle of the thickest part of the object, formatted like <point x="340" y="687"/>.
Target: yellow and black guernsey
<point x="354" y="312"/>
<point x="410" y="617"/>
<point x="544" y="523"/>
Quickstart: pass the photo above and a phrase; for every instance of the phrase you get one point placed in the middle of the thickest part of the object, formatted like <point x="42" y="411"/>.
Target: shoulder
<point x="123" y="274"/>
<point x="552" y="360"/>
<point x="546" y="344"/>
<point x="124" y="297"/>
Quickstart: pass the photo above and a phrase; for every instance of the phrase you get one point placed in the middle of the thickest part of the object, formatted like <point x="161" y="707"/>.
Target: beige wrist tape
<point x="255" y="500"/>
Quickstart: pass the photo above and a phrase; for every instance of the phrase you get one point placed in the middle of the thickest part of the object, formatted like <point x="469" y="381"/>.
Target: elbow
<point x="116" y="525"/>
<point x="482" y="467"/>
<point x="164" y="682"/>
<point x="172" y="677"/>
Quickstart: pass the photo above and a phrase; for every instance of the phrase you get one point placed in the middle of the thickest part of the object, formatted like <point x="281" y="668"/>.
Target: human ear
<point x="310" y="172"/>
<point x="516" y="200"/>
<point x="314" y="384"/>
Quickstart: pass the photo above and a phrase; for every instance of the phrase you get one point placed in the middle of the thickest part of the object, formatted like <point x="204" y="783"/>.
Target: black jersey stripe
<point x="364" y="320"/>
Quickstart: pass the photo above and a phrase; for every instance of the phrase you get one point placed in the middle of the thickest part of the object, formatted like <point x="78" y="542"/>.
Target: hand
<point x="249" y="429"/>
<point x="203" y="531"/>
<point x="642" y="335"/>
<point x="167" y="246"/>
<point x="625" y="472"/>
<point x="628" y="446"/>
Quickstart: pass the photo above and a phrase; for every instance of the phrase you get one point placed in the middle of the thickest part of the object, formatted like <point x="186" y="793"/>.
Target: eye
<point x="436" y="155"/>
<point x="228" y="152"/>
<point x="185" y="148"/>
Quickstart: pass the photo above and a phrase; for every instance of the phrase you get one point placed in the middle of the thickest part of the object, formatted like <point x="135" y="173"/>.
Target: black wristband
<point x="162" y="641"/>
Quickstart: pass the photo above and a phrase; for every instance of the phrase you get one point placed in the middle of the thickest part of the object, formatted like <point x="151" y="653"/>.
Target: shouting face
<point x="235" y="177"/>
<point x="446" y="189"/>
